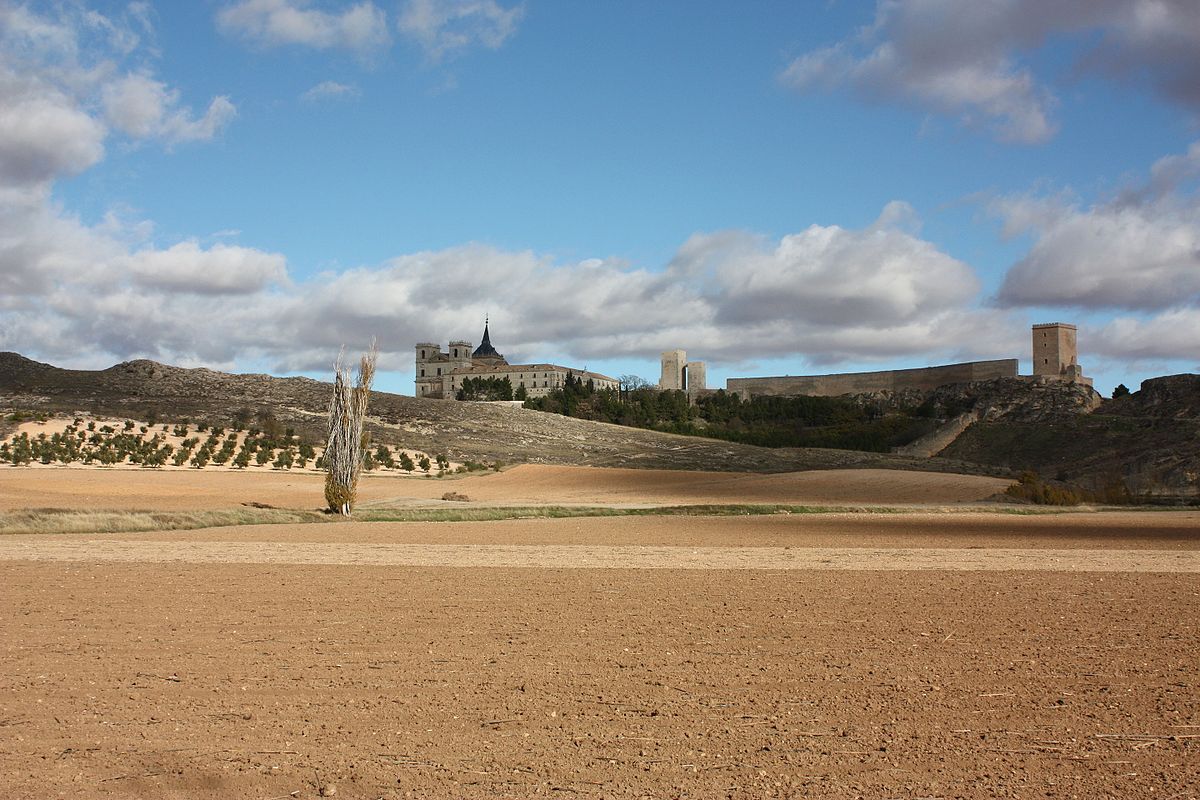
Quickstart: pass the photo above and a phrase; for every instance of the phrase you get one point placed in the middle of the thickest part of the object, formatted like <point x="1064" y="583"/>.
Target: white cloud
<point x="43" y="132"/>
<point x="142" y="107"/>
<point x="58" y="68"/>
<point x="965" y="59"/>
<point x="331" y="90"/>
<point x="221" y="269"/>
<point x="1138" y="251"/>
<point x="826" y="294"/>
<point x="1173" y="334"/>
<point x="445" y="27"/>
<point x="360" y="27"/>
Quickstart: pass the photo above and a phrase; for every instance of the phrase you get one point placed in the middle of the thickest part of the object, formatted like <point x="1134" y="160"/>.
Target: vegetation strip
<point x="52" y="520"/>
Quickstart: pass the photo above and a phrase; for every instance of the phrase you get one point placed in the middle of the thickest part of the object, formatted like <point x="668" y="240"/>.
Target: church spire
<point x="486" y="351"/>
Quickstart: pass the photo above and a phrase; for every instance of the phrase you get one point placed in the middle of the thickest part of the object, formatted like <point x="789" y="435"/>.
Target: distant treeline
<point x="835" y="422"/>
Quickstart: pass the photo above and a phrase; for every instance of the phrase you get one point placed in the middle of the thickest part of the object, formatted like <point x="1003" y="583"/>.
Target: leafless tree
<point x="344" y="450"/>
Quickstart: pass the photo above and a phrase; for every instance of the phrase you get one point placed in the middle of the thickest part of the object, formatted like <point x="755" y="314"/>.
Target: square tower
<point x="1054" y="349"/>
<point x="674" y="364"/>
<point x="697" y="378"/>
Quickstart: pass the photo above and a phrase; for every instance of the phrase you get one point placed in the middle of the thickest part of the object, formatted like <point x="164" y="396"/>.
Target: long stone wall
<point x="925" y="378"/>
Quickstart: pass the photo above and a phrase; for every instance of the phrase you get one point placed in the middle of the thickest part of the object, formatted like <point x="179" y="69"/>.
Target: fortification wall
<point x="925" y="379"/>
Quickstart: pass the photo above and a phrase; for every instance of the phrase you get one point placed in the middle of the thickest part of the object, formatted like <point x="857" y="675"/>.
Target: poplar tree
<point x="343" y="458"/>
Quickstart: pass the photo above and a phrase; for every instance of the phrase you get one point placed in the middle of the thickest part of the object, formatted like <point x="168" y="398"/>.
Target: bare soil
<point x="924" y="654"/>
<point x="531" y="484"/>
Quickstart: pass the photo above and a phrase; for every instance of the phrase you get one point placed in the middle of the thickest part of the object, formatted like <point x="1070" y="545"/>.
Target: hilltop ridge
<point x="463" y="431"/>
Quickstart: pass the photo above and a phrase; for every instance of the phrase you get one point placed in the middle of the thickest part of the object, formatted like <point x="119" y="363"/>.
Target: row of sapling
<point x="103" y="444"/>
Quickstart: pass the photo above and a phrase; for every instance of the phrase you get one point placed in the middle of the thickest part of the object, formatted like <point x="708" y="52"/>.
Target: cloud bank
<point x="971" y="61"/>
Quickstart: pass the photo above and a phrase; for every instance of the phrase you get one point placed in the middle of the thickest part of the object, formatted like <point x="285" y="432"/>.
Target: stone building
<point x="439" y="375"/>
<point x="679" y="373"/>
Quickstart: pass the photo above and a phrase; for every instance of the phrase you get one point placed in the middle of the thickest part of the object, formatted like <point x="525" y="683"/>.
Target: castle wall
<point x="925" y="379"/>
<point x="697" y="377"/>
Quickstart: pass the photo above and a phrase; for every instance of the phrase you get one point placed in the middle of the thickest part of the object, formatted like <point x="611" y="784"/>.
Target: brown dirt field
<point x="141" y="489"/>
<point x="175" y="673"/>
<point x="537" y="484"/>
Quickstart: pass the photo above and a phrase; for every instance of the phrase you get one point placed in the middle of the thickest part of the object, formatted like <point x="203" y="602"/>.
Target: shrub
<point x="1031" y="487"/>
<point x="384" y="457"/>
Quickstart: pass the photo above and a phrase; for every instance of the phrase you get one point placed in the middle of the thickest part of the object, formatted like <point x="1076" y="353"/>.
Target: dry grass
<point x="51" y="520"/>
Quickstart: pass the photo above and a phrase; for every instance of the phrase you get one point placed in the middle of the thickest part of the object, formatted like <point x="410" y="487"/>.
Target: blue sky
<point x="778" y="188"/>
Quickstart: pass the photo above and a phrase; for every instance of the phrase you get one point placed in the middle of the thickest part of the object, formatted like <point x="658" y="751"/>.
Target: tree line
<point x="837" y="422"/>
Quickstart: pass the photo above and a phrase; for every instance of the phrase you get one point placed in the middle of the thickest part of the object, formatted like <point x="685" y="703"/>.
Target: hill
<point x="1146" y="443"/>
<point x="149" y="391"/>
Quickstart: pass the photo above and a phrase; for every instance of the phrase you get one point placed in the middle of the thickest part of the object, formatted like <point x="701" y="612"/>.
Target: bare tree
<point x="344" y="450"/>
<point x="629" y="383"/>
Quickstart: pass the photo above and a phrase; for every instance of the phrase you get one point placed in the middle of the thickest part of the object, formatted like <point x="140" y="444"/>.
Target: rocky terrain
<point x="1146" y="444"/>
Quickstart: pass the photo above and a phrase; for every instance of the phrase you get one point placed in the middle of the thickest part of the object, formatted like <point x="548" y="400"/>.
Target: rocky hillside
<point x="1147" y="442"/>
<point x="148" y="391"/>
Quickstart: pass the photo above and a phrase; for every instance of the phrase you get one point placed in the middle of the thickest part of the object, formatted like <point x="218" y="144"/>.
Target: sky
<point x="774" y="187"/>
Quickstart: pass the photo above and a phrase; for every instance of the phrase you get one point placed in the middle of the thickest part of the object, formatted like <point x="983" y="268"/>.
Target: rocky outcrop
<point x="1169" y="397"/>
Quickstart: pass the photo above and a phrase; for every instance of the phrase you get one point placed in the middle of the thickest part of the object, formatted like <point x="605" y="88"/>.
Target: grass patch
<point x="53" y="520"/>
<point x="732" y="510"/>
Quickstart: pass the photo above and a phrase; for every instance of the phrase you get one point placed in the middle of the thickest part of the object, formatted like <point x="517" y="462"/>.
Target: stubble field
<point x="940" y="651"/>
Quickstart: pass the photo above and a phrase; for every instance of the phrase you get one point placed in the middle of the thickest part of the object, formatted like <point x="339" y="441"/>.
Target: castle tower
<point x="459" y="353"/>
<point x="697" y="378"/>
<point x="674" y="366"/>
<point x="1054" y="350"/>
<point x="426" y="375"/>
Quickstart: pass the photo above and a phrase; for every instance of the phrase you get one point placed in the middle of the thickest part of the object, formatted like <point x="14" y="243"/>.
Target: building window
<point x="422" y="373"/>
<point x="439" y="370"/>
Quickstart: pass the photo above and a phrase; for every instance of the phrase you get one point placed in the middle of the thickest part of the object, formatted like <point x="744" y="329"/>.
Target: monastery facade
<point x="439" y="375"/>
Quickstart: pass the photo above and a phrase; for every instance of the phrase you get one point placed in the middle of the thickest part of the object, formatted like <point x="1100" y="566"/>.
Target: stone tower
<point x="428" y="373"/>
<point x="674" y="366"/>
<point x="1055" y="353"/>
<point x="697" y="378"/>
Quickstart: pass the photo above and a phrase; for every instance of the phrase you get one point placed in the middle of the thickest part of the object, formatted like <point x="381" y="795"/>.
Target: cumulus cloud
<point x="827" y="294"/>
<point x="445" y="27"/>
<point x="64" y="86"/>
<point x="1137" y="251"/>
<point x="43" y="132"/>
<point x="143" y="107"/>
<point x="221" y="269"/>
<point x="331" y="90"/>
<point x="1173" y="334"/>
<point x="360" y="27"/>
<point x="968" y="60"/>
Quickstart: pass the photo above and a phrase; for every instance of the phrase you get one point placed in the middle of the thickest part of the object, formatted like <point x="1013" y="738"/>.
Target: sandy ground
<point x="186" y="490"/>
<point x="912" y="655"/>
